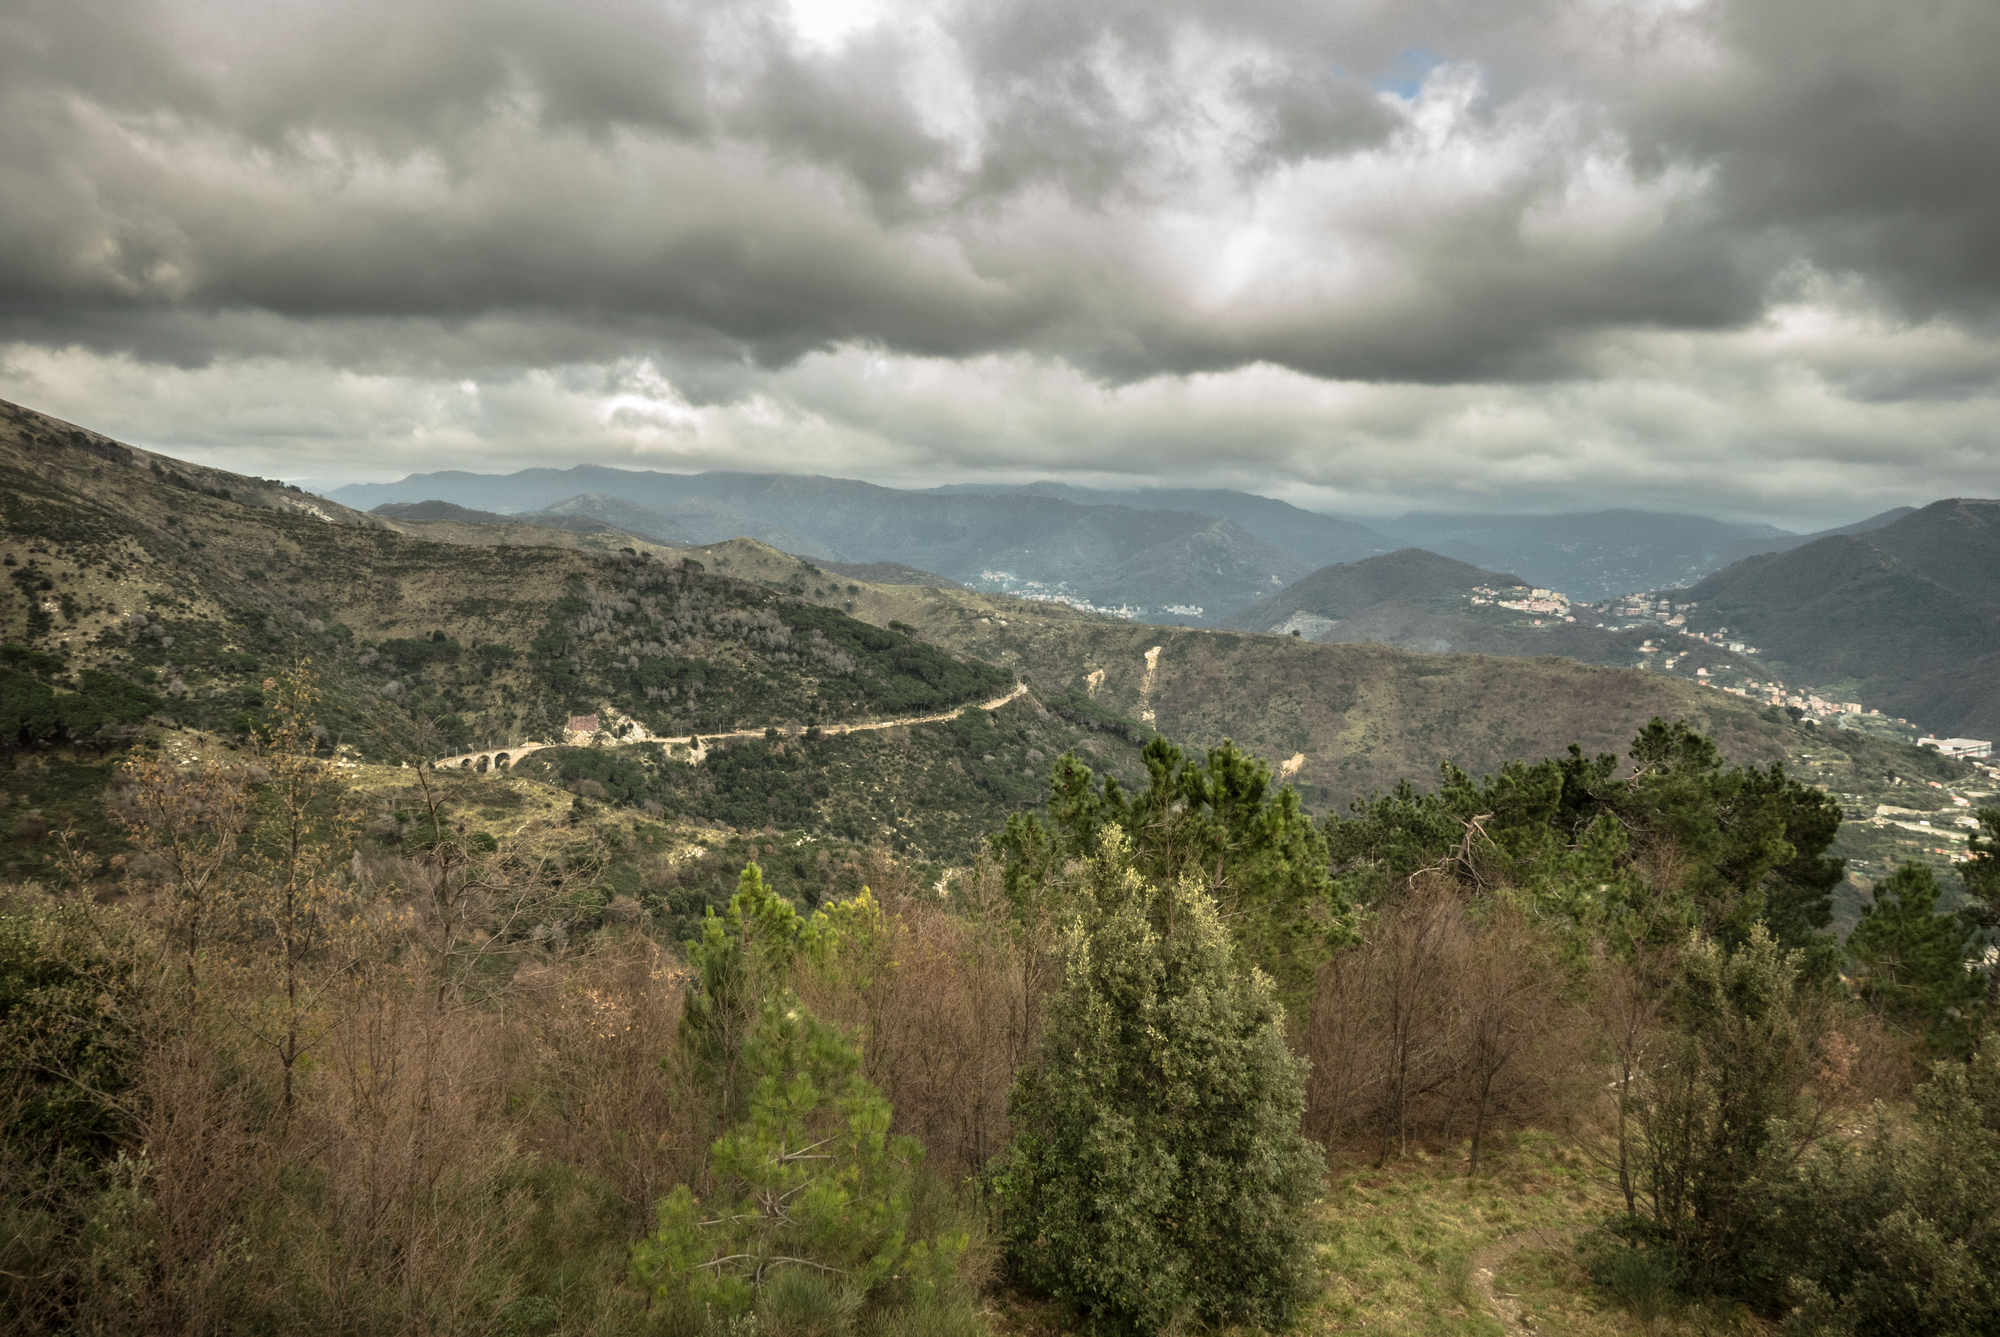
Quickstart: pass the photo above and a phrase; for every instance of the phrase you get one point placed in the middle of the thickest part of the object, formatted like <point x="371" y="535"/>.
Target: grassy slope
<point x="1415" y="1249"/>
<point x="1367" y="715"/>
<point x="233" y="588"/>
<point x="1364" y="715"/>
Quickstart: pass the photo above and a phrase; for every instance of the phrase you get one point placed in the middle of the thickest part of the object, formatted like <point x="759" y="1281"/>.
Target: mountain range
<point x="1600" y="554"/>
<point x="1160" y="564"/>
<point x="1171" y="555"/>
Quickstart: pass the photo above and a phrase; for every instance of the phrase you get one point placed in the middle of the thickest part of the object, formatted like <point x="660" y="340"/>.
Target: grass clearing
<point x="1414" y="1247"/>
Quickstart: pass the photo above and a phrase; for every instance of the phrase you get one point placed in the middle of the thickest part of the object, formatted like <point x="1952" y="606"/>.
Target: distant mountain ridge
<point x="1757" y="547"/>
<point x="1320" y="540"/>
<point x="1587" y="555"/>
<point x="1910" y="610"/>
<point x="1157" y="560"/>
<point x="1187" y="555"/>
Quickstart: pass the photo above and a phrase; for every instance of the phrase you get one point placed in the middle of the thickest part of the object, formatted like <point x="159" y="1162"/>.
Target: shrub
<point x="812" y="1181"/>
<point x="1728" y="1111"/>
<point x="1902" y="1236"/>
<point x="1911" y="960"/>
<point x="1157" y="1173"/>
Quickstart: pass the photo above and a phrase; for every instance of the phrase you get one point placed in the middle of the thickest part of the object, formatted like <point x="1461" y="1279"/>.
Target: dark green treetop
<point x="1216" y="818"/>
<point x="1684" y="841"/>
<point x="1157" y="1173"/>
<point x="1911" y="960"/>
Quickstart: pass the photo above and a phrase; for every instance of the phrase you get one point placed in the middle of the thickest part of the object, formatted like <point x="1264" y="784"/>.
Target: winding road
<point x="488" y="758"/>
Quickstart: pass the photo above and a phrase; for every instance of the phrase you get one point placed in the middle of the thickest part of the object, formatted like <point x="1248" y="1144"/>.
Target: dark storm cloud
<point x="1001" y="178"/>
<point x="1866" y="133"/>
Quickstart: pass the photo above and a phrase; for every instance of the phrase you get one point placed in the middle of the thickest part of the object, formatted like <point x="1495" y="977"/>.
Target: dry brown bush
<point x="950" y="1023"/>
<point x="613" y="1096"/>
<point x="401" y="1206"/>
<point x="1879" y="1062"/>
<point x="945" y="996"/>
<point x="1441" y="1023"/>
<point x="167" y="1225"/>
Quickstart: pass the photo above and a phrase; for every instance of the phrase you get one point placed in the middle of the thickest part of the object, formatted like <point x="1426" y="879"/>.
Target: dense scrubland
<point x="1155" y="1060"/>
<point x="1060" y="1016"/>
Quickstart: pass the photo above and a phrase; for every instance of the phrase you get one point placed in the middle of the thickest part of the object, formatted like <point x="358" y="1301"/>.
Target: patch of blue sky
<point x="1406" y="77"/>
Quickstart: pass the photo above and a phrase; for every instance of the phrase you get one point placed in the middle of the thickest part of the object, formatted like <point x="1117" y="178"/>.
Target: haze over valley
<point x="909" y="668"/>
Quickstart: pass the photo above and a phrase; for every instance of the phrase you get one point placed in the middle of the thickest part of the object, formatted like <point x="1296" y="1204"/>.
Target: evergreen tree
<point x="1727" y="1112"/>
<point x="810" y="1181"/>
<point x="738" y="959"/>
<point x="1157" y="1172"/>
<point x="1896" y="1234"/>
<point x="1912" y="960"/>
<point x="1981" y="873"/>
<point x="1216" y="818"/>
<point x="1748" y="846"/>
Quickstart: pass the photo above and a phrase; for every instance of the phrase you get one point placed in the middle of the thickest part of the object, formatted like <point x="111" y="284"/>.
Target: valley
<point x="482" y="632"/>
<point x="630" y="736"/>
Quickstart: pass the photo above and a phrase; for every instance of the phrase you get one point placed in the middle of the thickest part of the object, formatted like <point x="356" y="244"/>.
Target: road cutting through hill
<point x="697" y="744"/>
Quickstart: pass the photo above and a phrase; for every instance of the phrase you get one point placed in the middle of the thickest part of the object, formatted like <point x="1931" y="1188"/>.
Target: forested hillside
<point x="515" y="930"/>
<point x="1910" y="611"/>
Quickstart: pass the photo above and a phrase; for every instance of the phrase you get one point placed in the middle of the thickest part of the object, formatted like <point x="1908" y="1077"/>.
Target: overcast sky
<point x="1739" y="257"/>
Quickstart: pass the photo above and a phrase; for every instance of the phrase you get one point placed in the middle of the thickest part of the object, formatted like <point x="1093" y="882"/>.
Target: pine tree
<point x="1912" y="959"/>
<point x="1727" y="1109"/>
<point x="1158" y="1173"/>
<point x="739" y="958"/>
<point x="811" y="1181"/>
<point x="1981" y="873"/>
<point x="1217" y="818"/>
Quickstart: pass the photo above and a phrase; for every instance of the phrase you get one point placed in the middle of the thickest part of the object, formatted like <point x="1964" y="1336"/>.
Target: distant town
<point x="1635" y="612"/>
<point x="1006" y="582"/>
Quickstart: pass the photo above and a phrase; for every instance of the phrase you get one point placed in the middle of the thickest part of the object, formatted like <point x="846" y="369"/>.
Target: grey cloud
<point x="1867" y="133"/>
<point x="473" y="182"/>
<point x="1310" y="112"/>
<point x="845" y="110"/>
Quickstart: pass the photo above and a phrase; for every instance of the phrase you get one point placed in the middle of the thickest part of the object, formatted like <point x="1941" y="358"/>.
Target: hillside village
<point x="1932" y="821"/>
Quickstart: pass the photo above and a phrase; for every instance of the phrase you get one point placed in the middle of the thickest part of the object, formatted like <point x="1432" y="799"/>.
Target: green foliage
<point x="415" y="654"/>
<point x="65" y="1047"/>
<point x="104" y="699"/>
<point x="1727" y="1112"/>
<point x="1900" y="1234"/>
<point x="812" y="1180"/>
<point x="933" y="791"/>
<point x="1911" y="960"/>
<point x="896" y="674"/>
<point x="700" y="654"/>
<point x="1981" y="875"/>
<point x="20" y="656"/>
<point x="1157" y="1173"/>
<point x="1216" y="819"/>
<point x="1747" y="846"/>
<point x="740" y="957"/>
<point x="33" y="714"/>
<point x="1079" y="709"/>
<point x="28" y="714"/>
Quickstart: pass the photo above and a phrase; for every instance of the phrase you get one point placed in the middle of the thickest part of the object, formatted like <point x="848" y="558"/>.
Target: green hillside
<point x="1360" y="717"/>
<point x="172" y="592"/>
<point x="1910" y="612"/>
<point x="150" y="601"/>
